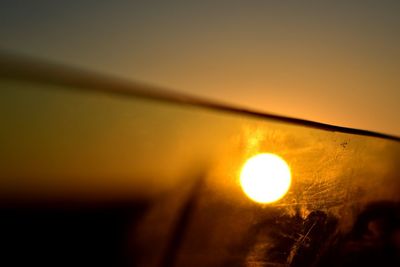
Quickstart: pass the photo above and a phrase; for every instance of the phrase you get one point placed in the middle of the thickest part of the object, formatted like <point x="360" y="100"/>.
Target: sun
<point x="265" y="178"/>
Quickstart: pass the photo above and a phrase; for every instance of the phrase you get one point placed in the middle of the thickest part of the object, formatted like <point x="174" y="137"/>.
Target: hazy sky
<point x="336" y="62"/>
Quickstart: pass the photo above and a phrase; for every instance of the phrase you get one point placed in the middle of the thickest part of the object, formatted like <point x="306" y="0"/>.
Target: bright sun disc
<point x="265" y="178"/>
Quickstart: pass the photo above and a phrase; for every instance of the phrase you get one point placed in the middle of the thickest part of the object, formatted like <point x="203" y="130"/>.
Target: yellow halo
<point x="265" y="178"/>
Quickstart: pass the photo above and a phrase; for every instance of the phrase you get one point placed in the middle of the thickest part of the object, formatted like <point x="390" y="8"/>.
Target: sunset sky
<point x="336" y="63"/>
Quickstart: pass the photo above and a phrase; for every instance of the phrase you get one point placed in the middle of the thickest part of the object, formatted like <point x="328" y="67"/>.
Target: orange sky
<point x="336" y="63"/>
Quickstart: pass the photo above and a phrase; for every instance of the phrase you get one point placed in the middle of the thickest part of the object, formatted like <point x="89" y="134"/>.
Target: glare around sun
<point x="265" y="178"/>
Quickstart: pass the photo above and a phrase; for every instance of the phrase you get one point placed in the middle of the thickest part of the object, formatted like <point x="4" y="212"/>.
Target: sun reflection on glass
<point x="265" y="178"/>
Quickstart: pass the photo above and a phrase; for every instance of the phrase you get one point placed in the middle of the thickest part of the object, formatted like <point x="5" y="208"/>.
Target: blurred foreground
<point x="104" y="174"/>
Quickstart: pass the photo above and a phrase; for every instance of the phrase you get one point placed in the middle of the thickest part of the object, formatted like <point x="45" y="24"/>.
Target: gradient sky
<point x="337" y="62"/>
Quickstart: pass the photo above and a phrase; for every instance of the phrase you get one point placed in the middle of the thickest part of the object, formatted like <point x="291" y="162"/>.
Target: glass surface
<point x="161" y="182"/>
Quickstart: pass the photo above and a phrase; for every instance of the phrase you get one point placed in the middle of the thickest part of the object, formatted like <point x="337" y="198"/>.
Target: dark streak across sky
<point x="336" y="62"/>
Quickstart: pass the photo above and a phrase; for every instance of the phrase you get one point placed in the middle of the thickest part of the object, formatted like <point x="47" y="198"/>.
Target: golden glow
<point x="265" y="178"/>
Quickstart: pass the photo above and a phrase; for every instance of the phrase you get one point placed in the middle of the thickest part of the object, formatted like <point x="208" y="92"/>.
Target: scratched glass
<point x="157" y="178"/>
